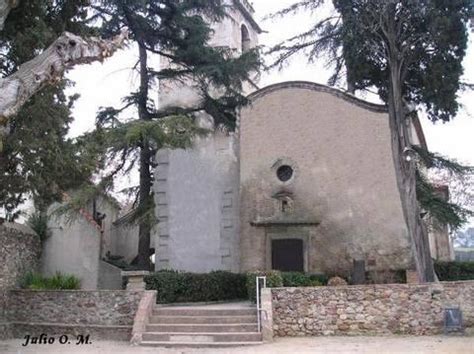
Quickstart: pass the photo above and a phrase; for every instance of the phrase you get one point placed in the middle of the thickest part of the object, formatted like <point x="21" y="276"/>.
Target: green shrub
<point x="318" y="279"/>
<point x="173" y="286"/>
<point x="274" y="280"/>
<point x="452" y="271"/>
<point x="295" y="279"/>
<point x="59" y="281"/>
<point x="292" y="279"/>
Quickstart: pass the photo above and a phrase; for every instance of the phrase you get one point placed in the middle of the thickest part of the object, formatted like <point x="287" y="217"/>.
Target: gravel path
<point x="326" y="345"/>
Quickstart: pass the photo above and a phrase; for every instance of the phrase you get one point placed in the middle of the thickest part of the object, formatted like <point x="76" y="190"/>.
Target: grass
<point x="59" y="281"/>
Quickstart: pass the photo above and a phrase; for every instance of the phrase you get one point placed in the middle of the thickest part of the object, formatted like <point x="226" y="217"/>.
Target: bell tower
<point x="238" y="31"/>
<point x="197" y="189"/>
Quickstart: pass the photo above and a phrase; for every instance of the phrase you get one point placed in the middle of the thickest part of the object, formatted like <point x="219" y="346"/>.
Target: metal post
<point x="259" y="300"/>
<point x="257" y="281"/>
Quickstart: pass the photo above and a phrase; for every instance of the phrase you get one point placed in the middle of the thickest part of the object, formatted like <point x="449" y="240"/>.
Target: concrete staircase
<point x="202" y="326"/>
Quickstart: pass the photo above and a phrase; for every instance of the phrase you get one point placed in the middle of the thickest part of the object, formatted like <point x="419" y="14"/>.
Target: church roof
<point x="312" y="86"/>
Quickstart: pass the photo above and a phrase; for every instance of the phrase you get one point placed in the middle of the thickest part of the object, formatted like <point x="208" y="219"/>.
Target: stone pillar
<point x="135" y="279"/>
<point x="267" y="315"/>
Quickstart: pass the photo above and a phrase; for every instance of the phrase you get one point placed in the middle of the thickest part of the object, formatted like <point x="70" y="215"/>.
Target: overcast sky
<point x="105" y="84"/>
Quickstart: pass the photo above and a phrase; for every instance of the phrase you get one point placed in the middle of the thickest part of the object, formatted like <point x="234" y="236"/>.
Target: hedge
<point x="274" y="280"/>
<point x="277" y="279"/>
<point x="295" y="279"/>
<point x="452" y="271"/>
<point x="173" y="286"/>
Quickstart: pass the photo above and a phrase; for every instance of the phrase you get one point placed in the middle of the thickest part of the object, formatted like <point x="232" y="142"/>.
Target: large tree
<point x="411" y="52"/>
<point x="42" y="25"/>
<point x="178" y="32"/>
<point x="37" y="160"/>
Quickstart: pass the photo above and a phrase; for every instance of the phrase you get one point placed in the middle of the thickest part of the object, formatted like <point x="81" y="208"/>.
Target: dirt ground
<point x="327" y="345"/>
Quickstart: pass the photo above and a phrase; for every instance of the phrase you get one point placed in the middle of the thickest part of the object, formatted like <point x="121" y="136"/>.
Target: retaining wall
<point x="20" y="248"/>
<point x="369" y="310"/>
<point x="100" y="314"/>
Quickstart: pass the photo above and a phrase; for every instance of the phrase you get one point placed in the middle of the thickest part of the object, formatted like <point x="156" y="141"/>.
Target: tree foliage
<point x="37" y="159"/>
<point x="179" y="32"/>
<point x="433" y="35"/>
<point x="436" y="171"/>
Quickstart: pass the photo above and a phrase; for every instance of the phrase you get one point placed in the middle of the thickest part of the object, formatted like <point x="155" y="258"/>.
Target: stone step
<point x="202" y="319"/>
<point x="193" y="311"/>
<point x="202" y="328"/>
<point x="197" y="344"/>
<point x="202" y="337"/>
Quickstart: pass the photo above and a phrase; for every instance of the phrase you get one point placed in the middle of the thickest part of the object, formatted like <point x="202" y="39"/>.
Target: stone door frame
<point x="285" y="232"/>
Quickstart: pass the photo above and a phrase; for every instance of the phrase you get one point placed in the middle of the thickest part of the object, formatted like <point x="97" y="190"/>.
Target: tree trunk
<point x="145" y="190"/>
<point x="350" y="83"/>
<point x="145" y="203"/>
<point x="405" y="172"/>
<point x="5" y="7"/>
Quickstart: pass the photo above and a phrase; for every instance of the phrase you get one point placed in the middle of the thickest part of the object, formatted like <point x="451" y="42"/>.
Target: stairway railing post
<point x="259" y="300"/>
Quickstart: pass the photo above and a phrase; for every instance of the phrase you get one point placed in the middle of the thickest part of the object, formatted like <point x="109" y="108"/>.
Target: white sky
<point x="105" y="84"/>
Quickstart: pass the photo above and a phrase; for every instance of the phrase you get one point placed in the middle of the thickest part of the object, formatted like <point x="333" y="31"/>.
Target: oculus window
<point x="284" y="173"/>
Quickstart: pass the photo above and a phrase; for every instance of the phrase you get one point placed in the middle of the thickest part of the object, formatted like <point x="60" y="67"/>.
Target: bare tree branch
<point x="48" y="67"/>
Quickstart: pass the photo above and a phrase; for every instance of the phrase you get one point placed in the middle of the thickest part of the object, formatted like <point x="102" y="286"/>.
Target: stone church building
<point x="305" y="183"/>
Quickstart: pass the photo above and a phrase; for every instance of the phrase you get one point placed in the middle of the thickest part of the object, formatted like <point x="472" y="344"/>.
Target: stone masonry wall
<point x="369" y="310"/>
<point x="106" y="314"/>
<point x="5" y="330"/>
<point x="74" y="306"/>
<point x="19" y="252"/>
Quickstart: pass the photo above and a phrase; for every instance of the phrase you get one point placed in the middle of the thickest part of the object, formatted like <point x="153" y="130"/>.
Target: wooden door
<point x="287" y="255"/>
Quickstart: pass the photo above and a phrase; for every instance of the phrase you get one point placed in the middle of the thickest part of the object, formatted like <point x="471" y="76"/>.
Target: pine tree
<point x="178" y="31"/>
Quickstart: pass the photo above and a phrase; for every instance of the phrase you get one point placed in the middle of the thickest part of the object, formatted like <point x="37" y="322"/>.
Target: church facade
<point x="305" y="183"/>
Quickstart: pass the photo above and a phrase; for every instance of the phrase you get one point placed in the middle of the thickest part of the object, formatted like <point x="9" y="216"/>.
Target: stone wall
<point x="19" y="253"/>
<point x="102" y="314"/>
<point x="73" y="248"/>
<point x="369" y="310"/>
<point x="5" y="329"/>
<point x="110" y="277"/>
<point x="125" y="239"/>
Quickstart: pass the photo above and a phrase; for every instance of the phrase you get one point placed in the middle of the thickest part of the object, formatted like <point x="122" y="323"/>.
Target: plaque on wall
<point x="452" y="320"/>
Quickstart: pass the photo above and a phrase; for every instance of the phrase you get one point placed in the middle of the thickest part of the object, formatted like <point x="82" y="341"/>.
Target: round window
<point x="284" y="173"/>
